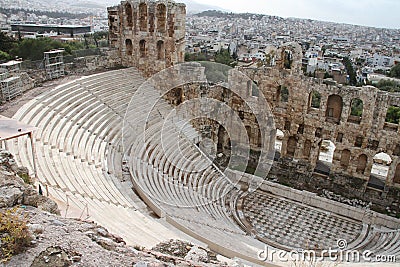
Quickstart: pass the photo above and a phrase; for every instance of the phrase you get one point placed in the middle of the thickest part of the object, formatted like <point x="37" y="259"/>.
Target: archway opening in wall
<point x="160" y="50"/>
<point x="314" y="100"/>
<point x="129" y="47"/>
<point x="223" y="148"/>
<point x="129" y="15"/>
<point x="282" y="94"/>
<point x="288" y="59"/>
<point x="325" y="157"/>
<point x="151" y="22"/>
<point x="161" y="17"/>
<point x="278" y="143"/>
<point x="392" y="119"/>
<point x="291" y="147"/>
<point x="362" y="164"/>
<point x="345" y="158"/>
<point x="307" y="149"/>
<point x="142" y="48"/>
<point x="380" y="171"/>
<point x="356" y="111"/>
<point x="396" y="178"/>
<point x="143" y="17"/>
<point x="334" y="109"/>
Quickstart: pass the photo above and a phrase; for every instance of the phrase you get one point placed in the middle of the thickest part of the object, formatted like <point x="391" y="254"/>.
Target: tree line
<point x="33" y="49"/>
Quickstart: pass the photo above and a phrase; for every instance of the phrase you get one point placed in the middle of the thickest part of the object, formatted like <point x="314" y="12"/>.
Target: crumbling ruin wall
<point x="149" y="35"/>
<point x="305" y="125"/>
<point x="309" y="111"/>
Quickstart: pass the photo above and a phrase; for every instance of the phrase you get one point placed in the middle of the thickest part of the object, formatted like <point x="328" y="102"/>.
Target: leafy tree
<point x="327" y="75"/>
<point x="350" y="70"/>
<point x="388" y="86"/>
<point x="195" y="57"/>
<point x="33" y="49"/>
<point x="100" y="38"/>
<point x="316" y="99"/>
<point x="6" y="42"/>
<point x="395" y="71"/>
<point x="224" y="57"/>
<point x="393" y="115"/>
<point x="4" y="56"/>
<point x="357" y="107"/>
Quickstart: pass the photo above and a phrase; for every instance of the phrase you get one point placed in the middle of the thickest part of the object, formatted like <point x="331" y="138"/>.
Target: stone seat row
<point x="83" y="146"/>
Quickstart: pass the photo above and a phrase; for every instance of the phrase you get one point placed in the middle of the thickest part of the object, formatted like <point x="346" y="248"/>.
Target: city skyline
<point x="382" y="14"/>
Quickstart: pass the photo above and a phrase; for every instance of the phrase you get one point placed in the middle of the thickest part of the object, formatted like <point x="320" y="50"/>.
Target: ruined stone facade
<point x="149" y="35"/>
<point x="309" y="111"/>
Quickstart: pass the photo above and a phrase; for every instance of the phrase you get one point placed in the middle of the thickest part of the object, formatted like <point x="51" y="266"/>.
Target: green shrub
<point x="27" y="179"/>
<point x="14" y="234"/>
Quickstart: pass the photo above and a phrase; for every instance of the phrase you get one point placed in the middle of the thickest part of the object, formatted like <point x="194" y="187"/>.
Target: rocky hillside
<point x="33" y="234"/>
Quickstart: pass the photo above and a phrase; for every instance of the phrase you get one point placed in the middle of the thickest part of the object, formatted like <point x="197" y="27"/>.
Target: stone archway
<point x="334" y="108"/>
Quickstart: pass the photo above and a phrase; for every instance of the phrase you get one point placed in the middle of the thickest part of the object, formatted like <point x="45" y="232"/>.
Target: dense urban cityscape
<point x="175" y="133"/>
<point x="249" y="37"/>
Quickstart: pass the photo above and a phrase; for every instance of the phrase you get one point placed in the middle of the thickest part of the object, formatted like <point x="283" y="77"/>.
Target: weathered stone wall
<point x="149" y="35"/>
<point x="360" y="136"/>
<point x="305" y="125"/>
<point x="107" y="60"/>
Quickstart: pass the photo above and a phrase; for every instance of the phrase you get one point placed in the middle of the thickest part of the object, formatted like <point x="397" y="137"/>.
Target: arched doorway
<point x="325" y="157"/>
<point x="396" y="178"/>
<point x="278" y="144"/>
<point x="380" y="171"/>
<point x="334" y="108"/>
<point x="291" y="147"/>
<point x="362" y="163"/>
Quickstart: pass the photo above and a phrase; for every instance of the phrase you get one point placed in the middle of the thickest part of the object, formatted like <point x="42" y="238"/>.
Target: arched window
<point x="396" y="178"/>
<point x="291" y="146"/>
<point x="356" y="111"/>
<point x="278" y="143"/>
<point x="248" y="130"/>
<point x="334" y="108"/>
<point x="315" y="99"/>
<point x="357" y="107"/>
<point x="307" y="148"/>
<point x="171" y="25"/>
<point x="380" y="170"/>
<point x="287" y="59"/>
<point x="362" y="163"/>
<point x="282" y="94"/>
<point x="160" y="50"/>
<point x="259" y="139"/>
<point x="325" y="157"/>
<point x="345" y="158"/>
<point x="129" y="47"/>
<point x="161" y="17"/>
<point x="393" y="115"/>
<point x="129" y="18"/>
<point x="142" y="48"/>
<point x="143" y="17"/>
<point x="151" y="22"/>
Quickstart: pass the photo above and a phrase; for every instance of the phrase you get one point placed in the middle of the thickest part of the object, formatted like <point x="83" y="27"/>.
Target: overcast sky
<point x="377" y="13"/>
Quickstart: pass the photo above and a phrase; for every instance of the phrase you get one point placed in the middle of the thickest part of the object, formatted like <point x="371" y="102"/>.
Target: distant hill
<point x="224" y="14"/>
<point x="192" y="7"/>
<point x="90" y="6"/>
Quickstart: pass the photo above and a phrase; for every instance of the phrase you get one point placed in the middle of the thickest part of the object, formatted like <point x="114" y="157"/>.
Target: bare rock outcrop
<point x="15" y="187"/>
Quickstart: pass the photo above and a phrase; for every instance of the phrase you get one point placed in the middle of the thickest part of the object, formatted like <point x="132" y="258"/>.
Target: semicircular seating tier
<point x="86" y="142"/>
